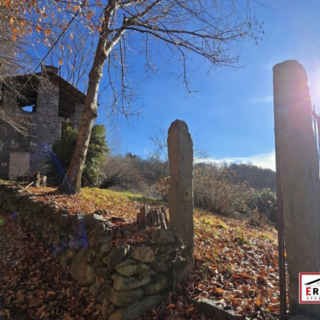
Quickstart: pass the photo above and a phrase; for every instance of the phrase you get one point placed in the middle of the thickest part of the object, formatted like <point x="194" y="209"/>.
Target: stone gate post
<point x="298" y="169"/>
<point x="180" y="150"/>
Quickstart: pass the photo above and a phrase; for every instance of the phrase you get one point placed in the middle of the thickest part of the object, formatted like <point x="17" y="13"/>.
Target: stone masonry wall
<point x="45" y="130"/>
<point x="47" y="127"/>
<point x="126" y="272"/>
<point x="75" y="117"/>
<point x="11" y="141"/>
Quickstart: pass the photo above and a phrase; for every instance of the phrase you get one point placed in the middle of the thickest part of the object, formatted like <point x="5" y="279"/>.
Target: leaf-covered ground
<point x="236" y="265"/>
<point x="32" y="283"/>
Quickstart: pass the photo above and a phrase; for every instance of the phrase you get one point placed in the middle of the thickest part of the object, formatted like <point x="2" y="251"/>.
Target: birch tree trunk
<point x="72" y="181"/>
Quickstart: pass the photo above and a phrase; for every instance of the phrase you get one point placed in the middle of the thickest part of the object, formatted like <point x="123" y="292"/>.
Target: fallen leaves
<point x="32" y="283"/>
<point x="235" y="265"/>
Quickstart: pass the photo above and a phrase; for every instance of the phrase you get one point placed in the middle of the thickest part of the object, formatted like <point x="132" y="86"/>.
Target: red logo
<point x="309" y="287"/>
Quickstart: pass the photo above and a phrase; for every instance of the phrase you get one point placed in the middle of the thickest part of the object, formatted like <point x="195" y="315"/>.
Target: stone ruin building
<point x="44" y="100"/>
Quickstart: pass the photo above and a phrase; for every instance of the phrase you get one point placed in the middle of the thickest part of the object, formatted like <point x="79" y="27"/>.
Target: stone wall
<point x="126" y="271"/>
<point x="75" y="118"/>
<point x="10" y="140"/>
<point x="45" y="129"/>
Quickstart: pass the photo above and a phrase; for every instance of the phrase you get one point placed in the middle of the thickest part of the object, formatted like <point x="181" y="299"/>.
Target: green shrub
<point x="97" y="150"/>
<point x="62" y="151"/>
<point x="263" y="203"/>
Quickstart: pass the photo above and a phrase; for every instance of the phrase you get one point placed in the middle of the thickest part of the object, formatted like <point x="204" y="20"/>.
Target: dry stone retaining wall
<point x="128" y="278"/>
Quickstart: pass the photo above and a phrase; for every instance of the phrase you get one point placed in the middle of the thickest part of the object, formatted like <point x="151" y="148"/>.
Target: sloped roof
<point x="68" y="94"/>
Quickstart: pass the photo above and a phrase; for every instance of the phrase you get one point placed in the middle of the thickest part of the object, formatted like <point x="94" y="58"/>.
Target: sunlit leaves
<point x="38" y="28"/>
<point x="46" y="18"/>
<point x="244" y="276"/>
<point x="241" y="275"/>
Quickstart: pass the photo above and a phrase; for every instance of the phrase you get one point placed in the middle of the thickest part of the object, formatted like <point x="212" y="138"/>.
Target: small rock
<point x="77" y="244"/>
<point x="213" y="309"/>
<point x="123" y="298"/>
<point x="134" y="311"/>
<point x="107" y="308"/>
<point x="95" y="289"/>
<point x="130" y="267"/>
<point x="143" y="254"/>
<point x="104" y="272"/>
<point x="127" y="283"/>
<point x="162" y="236"/>
<point x="91" y="219"/>
<point x="66" y="258"/>
<point x="80" y="270"/>
<point x="156" y="285"/>
<point x="104" y="239"/>
<point x="91" y="255"/>
<point x="105" y="248"/>
<point x="116" y="255"/>
<point x="70" y="254"/>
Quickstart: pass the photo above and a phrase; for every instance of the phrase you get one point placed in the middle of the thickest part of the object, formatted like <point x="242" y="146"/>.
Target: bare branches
<point x="211" y="29"/>
<point x="16" y="120"/>
<point x="124" y="30"/>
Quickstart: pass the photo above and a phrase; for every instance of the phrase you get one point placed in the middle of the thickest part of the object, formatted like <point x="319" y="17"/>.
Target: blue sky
<point x="231" y="116"/>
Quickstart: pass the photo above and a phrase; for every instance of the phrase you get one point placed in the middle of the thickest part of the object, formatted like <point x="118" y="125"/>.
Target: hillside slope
<point x="236" y="262"/>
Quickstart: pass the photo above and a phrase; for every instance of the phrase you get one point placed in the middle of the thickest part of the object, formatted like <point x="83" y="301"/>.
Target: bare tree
<point x="120" y="173"/>
<point x="13" y="55"/>
<point x="123" y="29"/>
<point x="159" y="146"/>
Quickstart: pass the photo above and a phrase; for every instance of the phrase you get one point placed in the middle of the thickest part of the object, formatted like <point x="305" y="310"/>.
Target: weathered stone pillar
<point x="180" y="150"/>
<point x="298" y="165"/>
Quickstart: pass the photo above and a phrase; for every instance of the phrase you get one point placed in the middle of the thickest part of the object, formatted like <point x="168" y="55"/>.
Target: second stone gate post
<point x="180" y="151"/>
<point x="298" y="179"/>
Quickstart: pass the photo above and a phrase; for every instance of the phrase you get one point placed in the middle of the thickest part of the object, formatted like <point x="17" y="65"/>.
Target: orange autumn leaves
<point x="237" y="266"/>
<point x="28" y="16"/>
<point x="236" y="263"/>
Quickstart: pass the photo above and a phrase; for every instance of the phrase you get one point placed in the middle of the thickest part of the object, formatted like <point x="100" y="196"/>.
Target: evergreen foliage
<point x="98" y="148"/>
<point x="264" y="202"/>
<point x="62" y="152"/>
